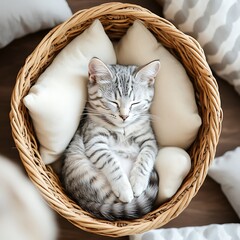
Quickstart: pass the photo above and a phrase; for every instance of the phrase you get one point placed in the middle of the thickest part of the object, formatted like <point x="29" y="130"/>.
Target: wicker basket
<point x="116" y="19"/>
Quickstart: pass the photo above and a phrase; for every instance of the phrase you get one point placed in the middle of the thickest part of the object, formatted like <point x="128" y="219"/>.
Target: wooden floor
<point x="209" y="206"/>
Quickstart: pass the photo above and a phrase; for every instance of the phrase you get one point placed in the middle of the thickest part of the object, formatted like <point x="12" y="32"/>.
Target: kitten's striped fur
<point x="108" y="166"/>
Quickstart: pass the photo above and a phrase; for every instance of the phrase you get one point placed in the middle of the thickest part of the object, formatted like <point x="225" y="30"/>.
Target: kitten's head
<point x="121" y="94"/>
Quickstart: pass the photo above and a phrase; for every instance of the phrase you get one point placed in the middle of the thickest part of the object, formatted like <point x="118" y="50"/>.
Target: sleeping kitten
<point x="108" y="166"/>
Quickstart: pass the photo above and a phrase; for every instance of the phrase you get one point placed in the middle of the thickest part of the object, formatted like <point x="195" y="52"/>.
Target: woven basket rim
<point x="206" y="91"/>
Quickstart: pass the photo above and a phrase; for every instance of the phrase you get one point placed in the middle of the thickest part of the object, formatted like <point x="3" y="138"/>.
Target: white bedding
<point x="209" y="232"/>
<point x="225" y="171"/>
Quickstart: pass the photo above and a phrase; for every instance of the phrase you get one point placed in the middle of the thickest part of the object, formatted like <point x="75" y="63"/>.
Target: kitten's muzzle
<point x="124" y="117"/>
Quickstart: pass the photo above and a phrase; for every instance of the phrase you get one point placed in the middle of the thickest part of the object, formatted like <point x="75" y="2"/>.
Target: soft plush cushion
<point x="58" y="98"/>
<point x="20" y="17"/>
<point x="225" y="170"/>
<point x="172" y="165"/>
<point x="175" y="115"/>
<point x="23" y="213"/>
<point x="208" y="232"/>
<point x="215" y="24"/>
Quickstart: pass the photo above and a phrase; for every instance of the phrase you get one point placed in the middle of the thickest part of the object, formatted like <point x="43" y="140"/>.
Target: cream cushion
<point x="224" y="231"/>
<point x="175" y="115"/>
<point x="24" y="214"/>
<point x="21" y="17"/>
<point x="225" y="171"/>
<point x="172" y="165"/>
<point x="56" y="101"/>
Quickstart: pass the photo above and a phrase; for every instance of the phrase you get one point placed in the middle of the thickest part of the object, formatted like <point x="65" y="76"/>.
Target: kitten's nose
<point x="124" y="117"/>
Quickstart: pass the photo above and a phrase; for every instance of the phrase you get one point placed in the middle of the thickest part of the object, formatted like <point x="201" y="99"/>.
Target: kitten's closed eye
<point x="115" y="104"/>
<point x="135" y="103"/>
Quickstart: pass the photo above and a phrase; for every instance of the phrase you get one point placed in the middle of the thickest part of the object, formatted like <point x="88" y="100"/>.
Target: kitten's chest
<point x="124" y="146"/>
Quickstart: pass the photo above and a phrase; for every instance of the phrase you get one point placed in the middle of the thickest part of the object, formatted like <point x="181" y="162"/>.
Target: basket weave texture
<point x="116" y="19"/>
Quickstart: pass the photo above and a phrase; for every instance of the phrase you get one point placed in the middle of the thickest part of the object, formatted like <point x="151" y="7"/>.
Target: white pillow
<point x="215" y="24"/>
<point x="20" y="17"/>
<point x="58" y="98"/>
<point x="226" y="171"/>
<point x="175" y="114"/>
<point x="23" y="213"/>
<point x="172" y="165"/>
<point x="208" y="232"/>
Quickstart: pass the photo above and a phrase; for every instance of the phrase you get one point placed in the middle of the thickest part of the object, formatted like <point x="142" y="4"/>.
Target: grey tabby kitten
<point x="108" y="166"/>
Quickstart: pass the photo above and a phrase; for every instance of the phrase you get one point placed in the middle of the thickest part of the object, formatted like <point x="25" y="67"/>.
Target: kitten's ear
<point x="147" y="73"/>
<point x="98" y="71"/>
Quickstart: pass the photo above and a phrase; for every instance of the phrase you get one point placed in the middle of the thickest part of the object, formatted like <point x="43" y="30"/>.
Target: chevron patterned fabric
<point x="215" y="25"/>
<point x="207" y="232"/>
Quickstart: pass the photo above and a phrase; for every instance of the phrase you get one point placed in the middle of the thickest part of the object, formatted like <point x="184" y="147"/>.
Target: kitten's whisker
<point x="93" y="113"/>
<point x="100" y="114"/>
<point x="151" y="117"/>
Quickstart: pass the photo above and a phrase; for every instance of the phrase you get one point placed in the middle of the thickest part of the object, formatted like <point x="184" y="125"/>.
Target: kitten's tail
<point x="137" y="208"/>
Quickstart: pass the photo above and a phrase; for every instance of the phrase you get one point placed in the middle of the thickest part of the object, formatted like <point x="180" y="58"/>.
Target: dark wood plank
<point x="77" y="5"/>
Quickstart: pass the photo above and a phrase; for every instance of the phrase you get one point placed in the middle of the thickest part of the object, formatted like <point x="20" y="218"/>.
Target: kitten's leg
<point x="101" y="156"/>
<point x="140" y="173"/>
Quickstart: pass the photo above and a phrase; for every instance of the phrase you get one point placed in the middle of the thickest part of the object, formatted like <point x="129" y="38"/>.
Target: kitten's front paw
<point x="123" y="190"/>
<point x="139" y="184"/>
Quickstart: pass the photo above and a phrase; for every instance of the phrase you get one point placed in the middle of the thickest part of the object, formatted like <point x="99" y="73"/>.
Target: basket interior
<point x="116" y="20"/>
